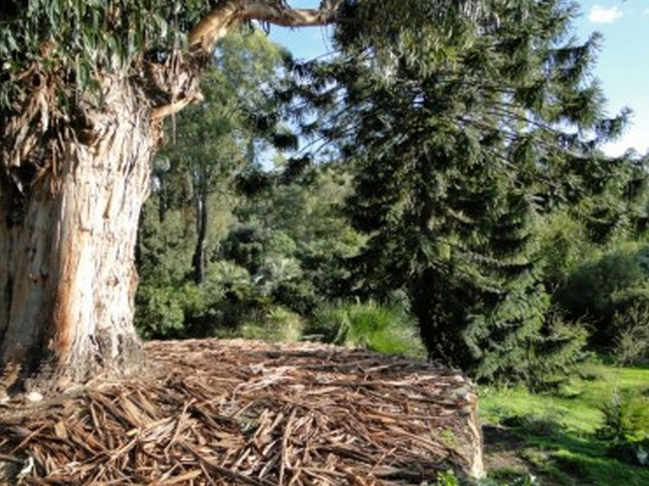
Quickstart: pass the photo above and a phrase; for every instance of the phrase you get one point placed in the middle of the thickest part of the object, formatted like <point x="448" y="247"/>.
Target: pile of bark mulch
<point x="237" y="412"/>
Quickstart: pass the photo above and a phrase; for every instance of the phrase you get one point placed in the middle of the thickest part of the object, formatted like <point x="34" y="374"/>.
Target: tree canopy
<point x="459" y="152"/>
<point x="457" y="132"/>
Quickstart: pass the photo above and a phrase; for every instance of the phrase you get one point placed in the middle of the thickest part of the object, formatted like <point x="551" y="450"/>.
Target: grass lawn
<point x="553" y="434"/>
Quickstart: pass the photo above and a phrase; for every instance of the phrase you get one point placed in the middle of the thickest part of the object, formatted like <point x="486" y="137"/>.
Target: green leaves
<point x="461" y="133"/>
<point x="85" y="38"/>
<point x="422" y="34"/>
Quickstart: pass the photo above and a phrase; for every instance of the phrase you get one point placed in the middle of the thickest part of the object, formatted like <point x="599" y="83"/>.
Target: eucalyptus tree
<point x="84" y="89"/>
<point x="216" y="139"/>
<point x="458" y="147"/>
<point x="191" y="208"/>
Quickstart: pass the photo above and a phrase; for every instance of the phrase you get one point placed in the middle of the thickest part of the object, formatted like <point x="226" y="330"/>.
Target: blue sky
<point x="623" y="63"/>
<point x="622" y="67"/>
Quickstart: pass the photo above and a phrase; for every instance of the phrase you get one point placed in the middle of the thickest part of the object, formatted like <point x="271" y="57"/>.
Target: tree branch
<point x="229" y="13"/>
<point x="161" y="112"/>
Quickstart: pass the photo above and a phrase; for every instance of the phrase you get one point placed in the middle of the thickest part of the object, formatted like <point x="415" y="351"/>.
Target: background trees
<point x="233" y="228"/>
<point x="465" y="187"/>
<point x="193" y="196"/>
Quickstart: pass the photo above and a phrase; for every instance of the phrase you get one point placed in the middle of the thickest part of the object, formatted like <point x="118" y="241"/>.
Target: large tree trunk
<point x="67" y="239"/>
<point x="72" y="184"/>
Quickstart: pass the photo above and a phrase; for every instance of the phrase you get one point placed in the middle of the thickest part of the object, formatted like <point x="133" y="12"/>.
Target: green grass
<point x="370" y="325"/>
<point x="559" y="428"/>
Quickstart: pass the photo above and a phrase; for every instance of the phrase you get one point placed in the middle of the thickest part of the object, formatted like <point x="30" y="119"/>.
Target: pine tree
<point x="458" y="145"/>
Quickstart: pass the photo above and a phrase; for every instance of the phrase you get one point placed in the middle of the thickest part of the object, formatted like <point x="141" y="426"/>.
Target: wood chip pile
<point x="248" y="413"/>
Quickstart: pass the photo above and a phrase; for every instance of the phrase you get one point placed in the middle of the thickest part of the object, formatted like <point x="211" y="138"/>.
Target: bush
<point x="170" y="309"/>
<point x="543" y="353"/>
<point x="447" y="478"/>
<point x="277" y="325"/>
<point x="386" y="329"/>
<point x="598" y="289"/>
<point x="632" y="328"/>
<point x="559" y="352"/>
<point x="626" y="419"/>
<point x="159" y="312"/>
<point x="546" y="426"/>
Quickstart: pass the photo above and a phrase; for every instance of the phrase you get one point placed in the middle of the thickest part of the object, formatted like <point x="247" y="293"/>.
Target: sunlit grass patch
<point x="559" y="429"/>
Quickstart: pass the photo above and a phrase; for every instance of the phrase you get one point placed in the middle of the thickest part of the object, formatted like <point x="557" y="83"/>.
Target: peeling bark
<point x="71" y="189"/>
<point x="67" y="270"/>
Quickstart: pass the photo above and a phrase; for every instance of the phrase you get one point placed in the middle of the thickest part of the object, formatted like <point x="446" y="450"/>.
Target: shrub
<point x="626" y="418"/>
<point x="598" y="289"/>
<point x="560" y="352"/>
<point x="543" y="354"/>
<point x="632" y="339"/>
<point x="168" y="309"/>
<point x="159" y="312"/>
<point x="277" y="325"/>
<point x="447" y="478"/>
<point x="382" y="328"/>
<point x="546" y="425"/>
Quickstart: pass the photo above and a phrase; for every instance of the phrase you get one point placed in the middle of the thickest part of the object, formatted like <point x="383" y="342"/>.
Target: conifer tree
<point x="457" y="148"/>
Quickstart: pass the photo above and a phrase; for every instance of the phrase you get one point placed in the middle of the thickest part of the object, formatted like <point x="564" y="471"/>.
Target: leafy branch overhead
<point x="83" y="42"/>
<point x="59" y="60"/>
<point x="91" y="39"/>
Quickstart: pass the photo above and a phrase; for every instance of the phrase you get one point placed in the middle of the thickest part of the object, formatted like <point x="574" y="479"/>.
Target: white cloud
<point x="603" y="15"/>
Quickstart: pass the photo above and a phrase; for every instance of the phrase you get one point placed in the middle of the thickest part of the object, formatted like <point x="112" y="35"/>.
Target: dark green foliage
<point x="293" y="228"/>
<point x="634" y="453"/>
<point x="599" y="288"/>
<point x="169" y="303"/>
<point x="526" y="341"/>
<point x="244" y="246"/>
<point x="616" y="201"/>
<point x="458" y="157"/>
<point x="626" y="428"/>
